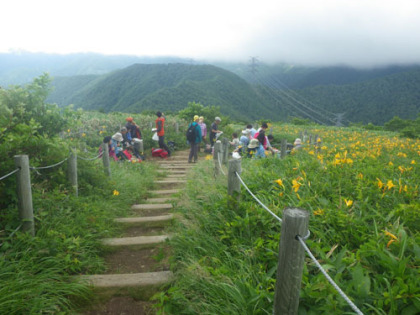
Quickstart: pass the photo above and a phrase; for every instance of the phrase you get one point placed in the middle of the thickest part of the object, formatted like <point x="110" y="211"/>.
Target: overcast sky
<point x="322" y="32"/>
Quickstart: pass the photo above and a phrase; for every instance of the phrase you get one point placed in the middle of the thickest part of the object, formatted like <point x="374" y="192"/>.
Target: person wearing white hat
<point x="214" y="130"/>
<point x="297" y="145"/>
<point x="244" y="139"/>
<point x="116" y="140"/>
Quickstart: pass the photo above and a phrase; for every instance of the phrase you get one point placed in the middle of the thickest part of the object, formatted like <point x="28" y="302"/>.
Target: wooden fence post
<point x="305" y="136"/>
<point x="234" y="185"/>
<point x="24" y="192"/>
<point x="283" y="148"/>
<point x="72" y="171"/>
<point x="291" y="260"/>
<point x="216" y="156"/>
<point x="225" y="151"/>
<point x="105" y="159"/>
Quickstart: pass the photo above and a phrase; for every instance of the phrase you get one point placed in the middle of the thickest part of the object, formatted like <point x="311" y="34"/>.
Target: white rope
<point x="11" y="173"/>
<point x="91" y="159"/>
<point x="330" y="280"/>
<point x="220" y="164"/>
<point x="262" y="205"/>
<point x="50" y="166"/>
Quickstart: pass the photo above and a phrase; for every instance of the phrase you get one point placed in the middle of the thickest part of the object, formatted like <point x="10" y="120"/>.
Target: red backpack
<point x="159" y="153"/>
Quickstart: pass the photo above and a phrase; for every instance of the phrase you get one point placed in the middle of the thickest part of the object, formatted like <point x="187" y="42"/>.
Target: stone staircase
<point x="124" y="287"/>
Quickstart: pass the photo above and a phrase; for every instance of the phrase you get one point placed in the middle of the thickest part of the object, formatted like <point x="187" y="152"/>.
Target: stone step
<point x="176" y="176"/>
<point x="152" y="206"/>
<point x="170" y="181"/>
<point x="145" y="284"/>
<point x="177" y="168"/>
<point x="145" y="221"/>
<point x="135" y="242"/>
<point x="159" y="200"/>
<point x="164" y="192"/>
<point x="172" y="172"/>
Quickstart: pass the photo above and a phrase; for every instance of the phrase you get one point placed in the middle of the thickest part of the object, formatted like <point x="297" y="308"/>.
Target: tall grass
<point x="363" y="196"/>
<point x="35" y="272"/>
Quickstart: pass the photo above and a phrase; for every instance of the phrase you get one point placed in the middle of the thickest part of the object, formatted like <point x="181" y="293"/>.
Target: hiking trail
<point x="138" y="261"/>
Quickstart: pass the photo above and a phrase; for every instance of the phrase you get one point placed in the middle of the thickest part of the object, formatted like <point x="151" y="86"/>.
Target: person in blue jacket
<point x="195" y="140"/>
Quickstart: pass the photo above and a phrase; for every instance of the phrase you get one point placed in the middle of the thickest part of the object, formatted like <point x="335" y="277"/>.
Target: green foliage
<point x="362" y="193"/>
<point x="406" y="127"/>
<point x="301" y="121"/>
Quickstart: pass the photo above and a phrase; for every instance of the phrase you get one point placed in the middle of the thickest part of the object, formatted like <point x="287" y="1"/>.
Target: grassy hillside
<point x="168" y="86"/>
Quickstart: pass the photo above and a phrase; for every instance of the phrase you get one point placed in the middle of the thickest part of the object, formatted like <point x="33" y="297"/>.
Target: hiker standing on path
<point x="194" y="138"/>
<point x="214" y="130"/>
<point x="203" y="127"/>
<point x="160" y="123"/>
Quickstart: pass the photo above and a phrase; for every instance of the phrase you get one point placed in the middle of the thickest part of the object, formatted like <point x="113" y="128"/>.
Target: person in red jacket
<point x="160" y="126"/>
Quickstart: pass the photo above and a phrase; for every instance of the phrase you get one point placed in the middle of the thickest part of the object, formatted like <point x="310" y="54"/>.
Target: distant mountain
<point x="21" y="68"/>
<point x="163" y="86"/>
<point x="131" y="83"/>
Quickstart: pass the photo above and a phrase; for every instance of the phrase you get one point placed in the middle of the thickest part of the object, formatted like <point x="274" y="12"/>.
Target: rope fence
<point x="330" y="280"/>
<point x="257" y="200"/>
<point x="287" y="280"/>
<point x="10" y="174"/>
<point x="90" y="159"/>
<point x="50" y="166"/>
<point x="220" y="164"/>
<point x="24" y="187"/>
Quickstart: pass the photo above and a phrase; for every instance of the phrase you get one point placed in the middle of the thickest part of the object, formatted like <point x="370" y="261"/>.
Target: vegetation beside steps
<point x="137" y="259"/>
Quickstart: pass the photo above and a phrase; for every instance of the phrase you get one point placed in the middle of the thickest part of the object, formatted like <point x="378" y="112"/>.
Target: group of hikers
<point x="252" y="142"/>
<point x="127" y="144"/>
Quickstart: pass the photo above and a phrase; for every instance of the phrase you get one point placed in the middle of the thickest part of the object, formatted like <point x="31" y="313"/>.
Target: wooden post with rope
<point x="225" y="151"/>
<point x="105" y="159"/>
<point x="291" y="260"/>
<point x="216" y="156"/>
<point x="72" y="171"/>
<point x="283" y="148"/>
<point x="24" y="193"/>
<point x="234" y="185"/>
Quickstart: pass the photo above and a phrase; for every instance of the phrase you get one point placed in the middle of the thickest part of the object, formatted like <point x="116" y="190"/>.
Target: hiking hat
<point x="201" y="118"/>
<point x="118" y="137"/>
<point x="297" y="141"/>
<point x="130" y="119"/>
<point x="218" y="118"/>
<point x="253" y="144"/>
<point x="196" y="117"/>
<point x="123" y="129"/>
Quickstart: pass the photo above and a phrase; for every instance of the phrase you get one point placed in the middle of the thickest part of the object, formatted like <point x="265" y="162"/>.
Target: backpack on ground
<point x="159" y="153"/>
<point x="191" y="133"/>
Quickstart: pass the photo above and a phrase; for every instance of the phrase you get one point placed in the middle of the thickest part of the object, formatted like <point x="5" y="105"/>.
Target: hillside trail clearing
<point x="138" y="261"/>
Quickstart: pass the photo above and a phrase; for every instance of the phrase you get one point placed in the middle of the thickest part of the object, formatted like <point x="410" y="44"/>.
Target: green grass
<point x="35" y="272"/>
<point x="225" y="259"/>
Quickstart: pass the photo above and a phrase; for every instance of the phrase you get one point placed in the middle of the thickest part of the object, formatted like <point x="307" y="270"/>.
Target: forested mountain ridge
<point x="375" y="101"/>
<point x="167" y="86"/>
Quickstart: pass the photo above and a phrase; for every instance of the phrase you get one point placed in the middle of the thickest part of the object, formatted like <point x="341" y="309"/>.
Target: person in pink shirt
<point x="203" y="127"/>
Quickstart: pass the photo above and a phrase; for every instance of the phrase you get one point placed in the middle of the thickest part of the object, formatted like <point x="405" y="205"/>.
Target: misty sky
<point x="310" y="32"/>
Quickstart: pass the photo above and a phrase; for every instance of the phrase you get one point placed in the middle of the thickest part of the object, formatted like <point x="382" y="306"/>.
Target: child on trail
<point x="235" y="141"/>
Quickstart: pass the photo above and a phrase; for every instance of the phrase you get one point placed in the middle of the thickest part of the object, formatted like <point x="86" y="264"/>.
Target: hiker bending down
<point x="194" y="138"/>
